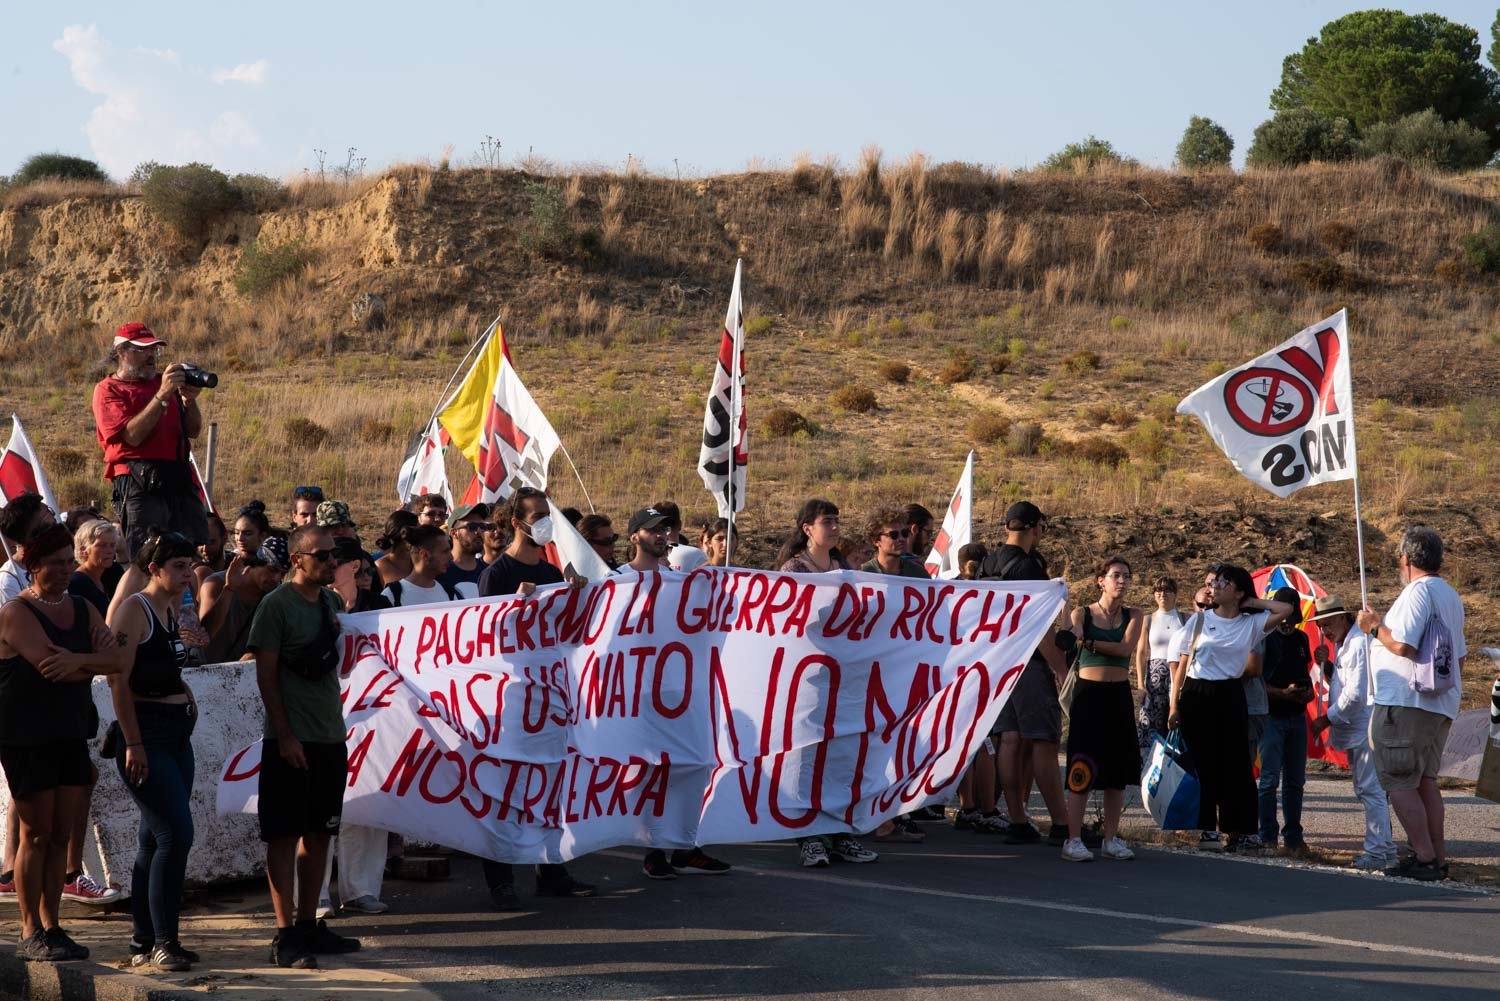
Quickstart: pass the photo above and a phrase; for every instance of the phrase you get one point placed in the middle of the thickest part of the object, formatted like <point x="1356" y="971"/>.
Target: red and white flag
<point x="721" y="461"/>
<point x="20" y="469"/>
<point x="424" y="471"/>
<point x="1286" y="419"/>
<point x="958" y="527"/>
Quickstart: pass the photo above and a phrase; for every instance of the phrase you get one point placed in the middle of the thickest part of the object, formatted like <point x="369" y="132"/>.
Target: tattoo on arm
<point x="120" y="640"/>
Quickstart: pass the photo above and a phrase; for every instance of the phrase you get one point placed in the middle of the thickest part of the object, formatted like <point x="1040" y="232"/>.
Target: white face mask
<point x="541" y="530"/>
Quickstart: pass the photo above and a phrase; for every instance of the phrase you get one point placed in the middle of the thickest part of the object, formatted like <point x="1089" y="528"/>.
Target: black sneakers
<point x="324" y="941"/>
<point x="696" y="860"/>
<point x="145" y="955"/>
<point x="36" y="948"/>
<point x="504" y="898"/>
<point x="289" y="949"/>
<point x="1021" y="834"/>
<point x="565" y="886"/>
<point x="656" y="866"/>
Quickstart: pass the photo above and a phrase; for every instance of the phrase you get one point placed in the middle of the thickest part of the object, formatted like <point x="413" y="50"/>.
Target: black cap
<point x="1023" y="515"/>
<point x="646" y="517"/>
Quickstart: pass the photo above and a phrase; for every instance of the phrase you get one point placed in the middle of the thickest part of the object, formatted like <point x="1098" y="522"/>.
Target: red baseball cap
<point x="137" y="335"/>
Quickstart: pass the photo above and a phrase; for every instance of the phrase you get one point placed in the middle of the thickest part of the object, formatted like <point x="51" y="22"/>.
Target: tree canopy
<point x="1377" y="66"/>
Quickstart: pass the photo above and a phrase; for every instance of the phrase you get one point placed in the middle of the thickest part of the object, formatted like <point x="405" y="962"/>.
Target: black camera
<point x="192" y="375"/>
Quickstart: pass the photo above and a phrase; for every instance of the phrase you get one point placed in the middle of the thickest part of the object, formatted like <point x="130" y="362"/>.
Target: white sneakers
<point x="367" y="905"/>
<point x="1074" y="850"/>
<point x="814" y="853"/>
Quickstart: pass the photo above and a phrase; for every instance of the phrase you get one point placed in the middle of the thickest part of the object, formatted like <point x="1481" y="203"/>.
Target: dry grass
<point x="995" y="289"/>
<point x="53" y="190"/>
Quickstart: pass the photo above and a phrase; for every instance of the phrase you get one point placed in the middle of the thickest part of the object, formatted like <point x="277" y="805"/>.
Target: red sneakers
<point x="83" y="890"/>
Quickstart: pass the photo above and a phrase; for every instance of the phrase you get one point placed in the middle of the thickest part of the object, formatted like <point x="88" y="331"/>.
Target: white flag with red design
<point x="20" y="469"/>
<point x="424" y="471"/>
<point x="722" y="459"/>
<point x="958" y="527"/>
<point x="1286" y="419"/>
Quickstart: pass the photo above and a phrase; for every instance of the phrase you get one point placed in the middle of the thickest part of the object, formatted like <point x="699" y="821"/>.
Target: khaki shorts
<point x="1407" y="745"/>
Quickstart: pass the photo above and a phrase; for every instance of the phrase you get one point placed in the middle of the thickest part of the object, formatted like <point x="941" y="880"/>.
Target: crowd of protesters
<point x="171" y="585"/>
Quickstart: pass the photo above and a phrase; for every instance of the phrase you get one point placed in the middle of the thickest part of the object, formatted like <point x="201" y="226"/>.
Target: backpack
<point x="395" y="588"/>
<point x="1434" y="668"/>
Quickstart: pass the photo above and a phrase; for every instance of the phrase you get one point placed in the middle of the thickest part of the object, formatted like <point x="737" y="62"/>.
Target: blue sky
<point x="258" y="87"/>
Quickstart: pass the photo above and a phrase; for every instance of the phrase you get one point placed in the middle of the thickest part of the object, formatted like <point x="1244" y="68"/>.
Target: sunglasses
<point x="321" y="555"/>
<point x="898" y="533"/>
<point x="316" y="493"/>
<point x="476" y="526"/>
<point x="608" y="541"/>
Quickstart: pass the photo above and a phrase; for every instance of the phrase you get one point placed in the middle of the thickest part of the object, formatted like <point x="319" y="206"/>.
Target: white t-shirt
<point x="1225" y="645"/>
<point x="1349" y="693"/>
<point x="1163" y="626"/>
<point x="411" y="594"/>
<point x="13" y="580"/>
<point x="1390" y="675"/>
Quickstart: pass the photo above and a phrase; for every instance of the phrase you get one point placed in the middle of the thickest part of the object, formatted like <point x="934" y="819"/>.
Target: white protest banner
<point x="958" y="527"/>
<point x="670" y="710"/>
<point x="1286" y="419"/>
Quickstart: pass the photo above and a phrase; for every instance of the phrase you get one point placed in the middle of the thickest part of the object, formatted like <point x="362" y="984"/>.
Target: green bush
<point x="304" y="434"/>
<point x="1204" y="145"/>
<point x="1301" y="135"/>
<point x="854" y="398"/>
<point x="988" y="426"/>
<point x="143" y="172"/>
<point x="1426" y="140"/>
<point x="190" y="199"/>
<point x="895" y="371"/>
<point x="1482" y="249"/>
<point x="1081" y="361"/>
<point x="1090" y="153"/>
<point x="259" y="193"/>
<point x="548" y="231"/>
<point x="262" y="268"/>
<point x="757" y="325"/>
<point x="783" y="422"/>
<point x="57" y="165"/>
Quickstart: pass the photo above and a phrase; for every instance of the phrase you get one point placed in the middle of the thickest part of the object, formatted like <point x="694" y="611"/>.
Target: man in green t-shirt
<point x="304" y="763"/>
<point x="891" y="536"/>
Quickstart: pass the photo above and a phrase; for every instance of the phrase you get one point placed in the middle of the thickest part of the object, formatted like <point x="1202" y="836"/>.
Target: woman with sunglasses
<point x="812" y="546"/>
<point x="153" y="749"/>
<point x="1208" y="701"/>
<point x="1153" y="675"/>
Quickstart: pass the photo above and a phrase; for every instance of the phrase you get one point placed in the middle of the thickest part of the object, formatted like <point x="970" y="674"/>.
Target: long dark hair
<point x="1239" y="578"/>
<point x="796" y="540"/>
<point x="390" y="536"/>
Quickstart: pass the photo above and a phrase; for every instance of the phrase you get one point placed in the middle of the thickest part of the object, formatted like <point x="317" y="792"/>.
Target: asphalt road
<point x="959" y="917"/>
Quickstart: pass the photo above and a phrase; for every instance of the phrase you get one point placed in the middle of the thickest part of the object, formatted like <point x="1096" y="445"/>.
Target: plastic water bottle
<point x="189" y="627"/>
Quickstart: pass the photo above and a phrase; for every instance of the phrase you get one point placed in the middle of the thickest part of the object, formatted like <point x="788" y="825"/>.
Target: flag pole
<point x="735" y="403"/>
<point x="473" y="348"/>
<point x="1359" y="521"/>
<point x="579" y="476"/>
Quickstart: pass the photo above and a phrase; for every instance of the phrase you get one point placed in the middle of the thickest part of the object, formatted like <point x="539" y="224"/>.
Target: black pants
<point x="501" y="874"/>
<point x="177" y="510"/>
<point x="1214" y="724"/>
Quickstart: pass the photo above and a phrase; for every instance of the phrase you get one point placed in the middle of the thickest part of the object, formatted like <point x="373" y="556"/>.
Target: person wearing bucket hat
<point x="144" y="421"/>
<point x="334" y="515"/>
<point x="1285" y="669"/>
<point x="248" y="580"/>
<point x="1348" y="722"/>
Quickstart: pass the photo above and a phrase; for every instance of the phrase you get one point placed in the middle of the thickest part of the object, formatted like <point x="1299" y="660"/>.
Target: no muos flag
<point x="1286" y="418"/>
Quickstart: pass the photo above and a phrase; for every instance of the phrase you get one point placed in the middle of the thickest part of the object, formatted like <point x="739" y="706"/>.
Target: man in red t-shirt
<point x="144" y="421"/>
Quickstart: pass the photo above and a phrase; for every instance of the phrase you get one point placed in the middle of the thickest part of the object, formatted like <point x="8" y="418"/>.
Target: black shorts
<point x="298" y="801"/>
<point x="1032" y="709"/>
<point x="34" y="768"/>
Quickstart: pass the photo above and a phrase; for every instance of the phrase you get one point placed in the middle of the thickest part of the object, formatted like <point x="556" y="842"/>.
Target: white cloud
<point x="243" y="73"/>
<point x="156" y="108"/>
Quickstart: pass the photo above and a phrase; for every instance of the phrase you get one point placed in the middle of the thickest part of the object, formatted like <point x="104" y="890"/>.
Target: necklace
<point x="37" y="595"/>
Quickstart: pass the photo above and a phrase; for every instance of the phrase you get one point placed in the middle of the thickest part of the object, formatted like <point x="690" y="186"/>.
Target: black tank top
<point x="36" y="711"/>
<point x="159" y="658"/>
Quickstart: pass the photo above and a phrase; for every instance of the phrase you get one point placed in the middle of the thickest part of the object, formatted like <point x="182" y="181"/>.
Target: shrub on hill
<point x="57" y="165"/>
<point x="190" y="199"/>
